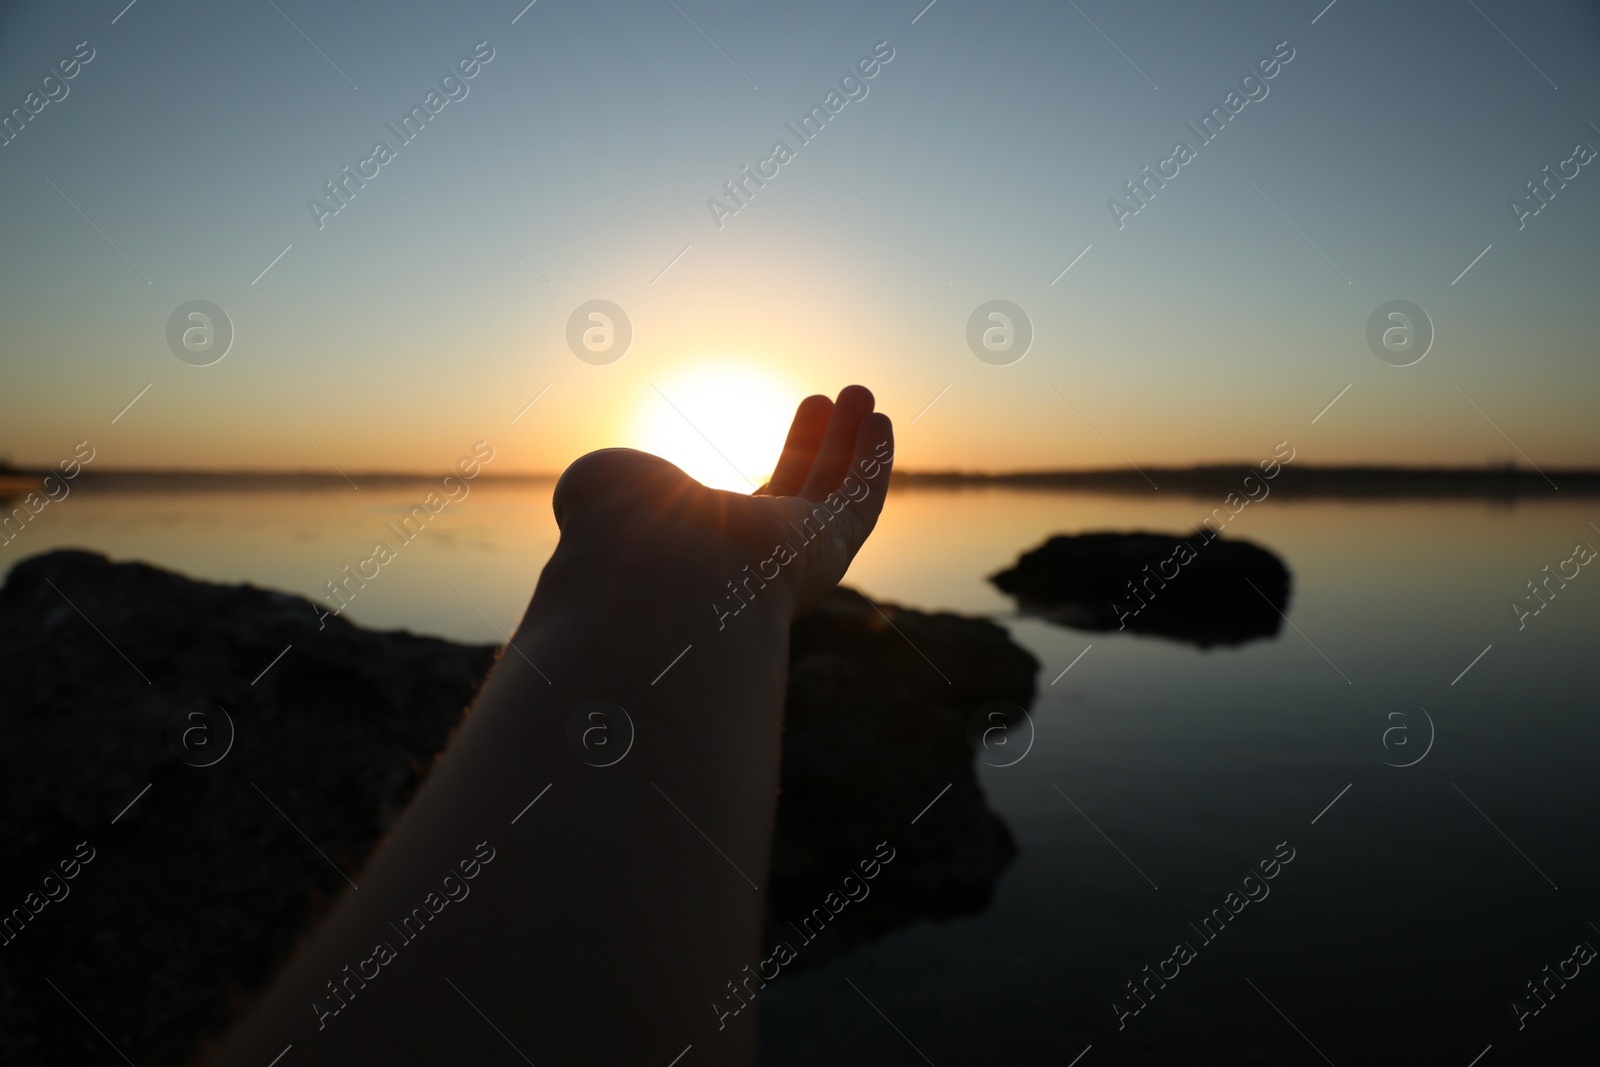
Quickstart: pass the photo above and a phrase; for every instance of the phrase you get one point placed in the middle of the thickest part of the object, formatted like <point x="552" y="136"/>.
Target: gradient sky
<point x="981" y="162"/>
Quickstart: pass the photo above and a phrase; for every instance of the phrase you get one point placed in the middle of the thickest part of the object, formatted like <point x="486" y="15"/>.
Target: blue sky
<point x="980" y="163"/>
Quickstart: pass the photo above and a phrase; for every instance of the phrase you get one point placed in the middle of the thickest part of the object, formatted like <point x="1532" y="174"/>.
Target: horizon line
<point x="1209" y="466"/>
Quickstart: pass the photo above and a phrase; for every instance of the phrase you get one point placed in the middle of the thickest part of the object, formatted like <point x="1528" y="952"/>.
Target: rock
<point x="198" y="889"/>
<point x="875" y="727"/>
<point x="1195" y="589"/>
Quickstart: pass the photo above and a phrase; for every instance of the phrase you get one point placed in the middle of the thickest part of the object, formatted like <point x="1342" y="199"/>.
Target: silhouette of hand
<point x="631" y="515"/>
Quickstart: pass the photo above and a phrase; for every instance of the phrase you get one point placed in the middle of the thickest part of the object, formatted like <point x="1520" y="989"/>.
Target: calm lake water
<point x="1415" y="908"/>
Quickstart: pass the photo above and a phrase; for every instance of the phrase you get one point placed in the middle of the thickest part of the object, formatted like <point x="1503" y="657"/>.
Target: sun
<point x="723" y="422"/>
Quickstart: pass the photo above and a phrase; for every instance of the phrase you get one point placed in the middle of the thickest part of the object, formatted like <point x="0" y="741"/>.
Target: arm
<point x="616" y="911"/>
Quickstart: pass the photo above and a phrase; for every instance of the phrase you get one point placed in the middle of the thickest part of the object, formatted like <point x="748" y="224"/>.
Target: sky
<point x="979" y="162"/>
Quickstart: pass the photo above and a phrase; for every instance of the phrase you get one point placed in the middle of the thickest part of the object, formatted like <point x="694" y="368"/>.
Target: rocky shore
<point x="198" y="889"/>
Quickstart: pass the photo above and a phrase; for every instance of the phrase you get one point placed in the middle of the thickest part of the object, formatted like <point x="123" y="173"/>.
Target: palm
<point x="806" y="524"/>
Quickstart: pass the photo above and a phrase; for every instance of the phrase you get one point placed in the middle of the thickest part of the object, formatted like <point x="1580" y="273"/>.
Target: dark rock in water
<point x="1195" y="589"/>
<point x="197" y="889"/>
<point x="875" y="727"/>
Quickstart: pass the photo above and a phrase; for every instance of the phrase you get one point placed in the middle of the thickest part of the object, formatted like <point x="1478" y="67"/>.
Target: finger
<point x="800" y="449"/>
<point x="854" y="404"/>
<point x="870" y="464"/>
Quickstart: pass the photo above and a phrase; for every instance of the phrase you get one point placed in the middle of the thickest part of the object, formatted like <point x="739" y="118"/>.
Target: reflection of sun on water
<point x="722" y="423"/>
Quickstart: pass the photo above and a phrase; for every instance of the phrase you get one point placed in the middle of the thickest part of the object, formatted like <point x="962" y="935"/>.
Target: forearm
<point x="616" y="908"/>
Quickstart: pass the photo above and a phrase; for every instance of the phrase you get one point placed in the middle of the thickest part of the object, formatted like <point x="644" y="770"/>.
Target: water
<point x="1414" y="909"/>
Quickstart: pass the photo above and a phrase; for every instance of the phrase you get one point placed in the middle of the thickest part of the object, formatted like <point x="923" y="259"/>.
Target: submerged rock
<point x="1196" y="589"/>
<point x="197" y="890"/>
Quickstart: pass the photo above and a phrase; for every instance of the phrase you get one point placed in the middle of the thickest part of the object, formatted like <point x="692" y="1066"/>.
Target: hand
<point x="644" y="548"/>
<point x="619" y="509"/>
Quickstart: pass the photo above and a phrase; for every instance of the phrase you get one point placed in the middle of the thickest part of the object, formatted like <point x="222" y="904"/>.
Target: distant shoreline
<point x="145" y="479"/>
<point x="1215" y="479"/>
<point x="1299" y="480"/>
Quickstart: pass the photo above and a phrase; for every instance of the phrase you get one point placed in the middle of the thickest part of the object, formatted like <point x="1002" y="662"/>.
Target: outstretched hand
<point x="643" y="549"/>
<point x="806" y="524"/>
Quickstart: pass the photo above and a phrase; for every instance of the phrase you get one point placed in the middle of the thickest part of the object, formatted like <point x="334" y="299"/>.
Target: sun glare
<point x="723" y="423"/>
